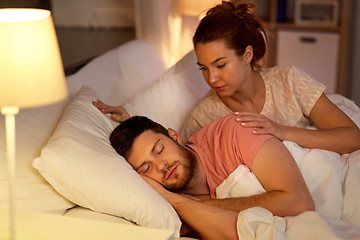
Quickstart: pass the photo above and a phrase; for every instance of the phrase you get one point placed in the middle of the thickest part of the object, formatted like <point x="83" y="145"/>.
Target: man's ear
<point x="174" y="135"/>
<point x="248" y="54"/>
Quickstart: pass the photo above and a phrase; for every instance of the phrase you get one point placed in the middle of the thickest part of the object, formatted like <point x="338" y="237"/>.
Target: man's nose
<point x="162" y="165"/>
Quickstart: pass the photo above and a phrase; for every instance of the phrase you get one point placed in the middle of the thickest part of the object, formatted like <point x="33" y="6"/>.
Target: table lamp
<point x="31" y="75"/>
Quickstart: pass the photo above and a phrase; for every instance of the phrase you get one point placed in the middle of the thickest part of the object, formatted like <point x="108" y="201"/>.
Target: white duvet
<point x="333" y="181"/>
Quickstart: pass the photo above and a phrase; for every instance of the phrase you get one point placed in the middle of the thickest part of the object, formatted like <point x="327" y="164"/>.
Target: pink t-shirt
<point x="222" y="146"/>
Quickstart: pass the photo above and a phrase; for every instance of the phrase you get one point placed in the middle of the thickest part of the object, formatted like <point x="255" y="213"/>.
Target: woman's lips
<point x="219" y="89"/>
<point x="172" y="173"/>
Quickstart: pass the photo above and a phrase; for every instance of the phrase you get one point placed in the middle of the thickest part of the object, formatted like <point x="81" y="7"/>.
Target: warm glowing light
<point x="21" y="15"/>
<point x="196" y="7"/>
<point x="31" y="70"/>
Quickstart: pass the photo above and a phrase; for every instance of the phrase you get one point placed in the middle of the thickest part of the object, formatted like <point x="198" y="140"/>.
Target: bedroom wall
<point x="93" y="13"/>
<point x="354" y="92"/>
<point x="87" y="28"/>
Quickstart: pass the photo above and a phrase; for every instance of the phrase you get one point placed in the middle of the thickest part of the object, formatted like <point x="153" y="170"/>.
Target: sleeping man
<point x="187" y="175"/>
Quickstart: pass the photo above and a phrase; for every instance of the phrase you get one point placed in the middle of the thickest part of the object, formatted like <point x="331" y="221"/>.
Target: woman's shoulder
<point x="289" y="75"/>
<point x="280" y="71"/>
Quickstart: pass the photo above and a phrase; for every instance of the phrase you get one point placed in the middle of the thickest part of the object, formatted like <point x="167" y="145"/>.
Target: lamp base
<point x="10" y="112"/>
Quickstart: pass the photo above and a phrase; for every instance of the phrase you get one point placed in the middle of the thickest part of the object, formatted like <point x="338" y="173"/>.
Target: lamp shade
<point x="31" y="70"/>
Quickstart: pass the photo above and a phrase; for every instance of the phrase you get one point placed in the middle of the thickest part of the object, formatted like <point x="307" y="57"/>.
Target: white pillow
<point x="169" y="99"/>
<point x="79" y="162"/>
<point x="34" y="126"/>
<point x="120" y="73"/>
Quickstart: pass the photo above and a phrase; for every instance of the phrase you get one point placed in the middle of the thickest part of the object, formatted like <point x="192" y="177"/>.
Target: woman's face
<point x="222" y="69"/>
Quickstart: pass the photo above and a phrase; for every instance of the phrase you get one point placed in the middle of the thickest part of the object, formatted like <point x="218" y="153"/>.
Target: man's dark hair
<point x="123" y="136"/>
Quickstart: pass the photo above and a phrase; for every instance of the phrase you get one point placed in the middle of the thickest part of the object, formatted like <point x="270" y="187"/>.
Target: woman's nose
<point x="212" y="78"/>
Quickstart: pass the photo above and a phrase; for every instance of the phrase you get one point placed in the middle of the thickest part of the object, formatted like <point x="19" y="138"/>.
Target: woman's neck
<point x="251" y="97"/>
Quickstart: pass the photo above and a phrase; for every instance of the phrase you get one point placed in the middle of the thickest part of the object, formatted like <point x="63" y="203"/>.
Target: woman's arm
<point x="336" y="131"/>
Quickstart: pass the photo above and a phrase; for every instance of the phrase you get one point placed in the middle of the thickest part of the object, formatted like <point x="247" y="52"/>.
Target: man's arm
<point x="208" y="221"/>
<point x="286" y="191"/>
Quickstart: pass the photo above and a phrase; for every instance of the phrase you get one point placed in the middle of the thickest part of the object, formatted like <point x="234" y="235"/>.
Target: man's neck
<point x="197" y="186"/>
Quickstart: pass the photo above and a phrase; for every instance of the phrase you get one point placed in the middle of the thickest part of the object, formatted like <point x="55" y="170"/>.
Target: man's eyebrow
<point x="216" y="60"/>
<point x="152" y="152"/>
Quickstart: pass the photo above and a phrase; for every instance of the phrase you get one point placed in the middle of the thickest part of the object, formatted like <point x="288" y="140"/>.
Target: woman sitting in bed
<point x="229" y="43"/>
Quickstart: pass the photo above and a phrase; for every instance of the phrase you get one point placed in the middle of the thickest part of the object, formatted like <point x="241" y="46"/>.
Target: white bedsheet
<point x="334" y="183"/>
<point x="258" y="223"/>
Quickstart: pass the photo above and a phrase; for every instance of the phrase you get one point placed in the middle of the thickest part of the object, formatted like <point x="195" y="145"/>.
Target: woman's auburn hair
<point x="236" y="24"/>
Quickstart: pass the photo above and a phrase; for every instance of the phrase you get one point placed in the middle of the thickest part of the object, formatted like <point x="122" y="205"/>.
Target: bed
<point x="66" y="166"/>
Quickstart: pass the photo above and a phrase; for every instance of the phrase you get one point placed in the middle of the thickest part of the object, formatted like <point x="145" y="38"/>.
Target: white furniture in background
<point x="342" y="28"/>
<point x="314" y="53"/>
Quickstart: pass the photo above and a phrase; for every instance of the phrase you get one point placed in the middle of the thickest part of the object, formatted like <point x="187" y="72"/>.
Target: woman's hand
<point x="264" y="124"/>
<point x="118" y="114"/>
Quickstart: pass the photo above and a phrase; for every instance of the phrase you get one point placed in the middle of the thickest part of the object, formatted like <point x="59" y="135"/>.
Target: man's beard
<point x="190" y="167"/>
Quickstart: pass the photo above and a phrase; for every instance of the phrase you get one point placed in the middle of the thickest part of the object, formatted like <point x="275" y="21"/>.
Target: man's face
<point x="162" y="159"/>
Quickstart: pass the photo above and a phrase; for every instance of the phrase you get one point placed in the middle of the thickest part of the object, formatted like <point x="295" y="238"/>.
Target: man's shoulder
<point x="225" y="130"/>
<point x="228" y="129"/>
<point x="223" y="126"/>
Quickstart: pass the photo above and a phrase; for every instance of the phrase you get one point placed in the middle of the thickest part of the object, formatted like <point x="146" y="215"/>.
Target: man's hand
<point x="118" y="114"/>
<point x="160" y="189"/>
<point x="216" y="223"/>
<point x="185" y="228"/>
<point x="157" y="186"/>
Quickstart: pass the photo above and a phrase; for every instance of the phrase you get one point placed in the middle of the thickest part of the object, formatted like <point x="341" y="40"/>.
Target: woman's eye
<point x="221" y="66"/>
<point x="202" y="68"/>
